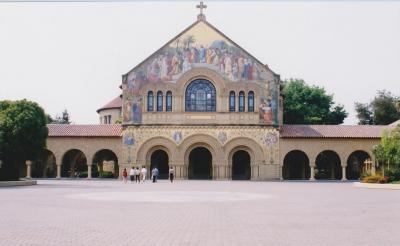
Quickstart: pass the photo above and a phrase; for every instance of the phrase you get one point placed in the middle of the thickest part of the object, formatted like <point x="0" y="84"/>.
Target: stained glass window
<point x="159" y="101"/>
<point x="150" y="101"/>
<point x="250" y="100"/>
<point x="169" y="101"/>
<point x="241" y="101"/>
<point x="200" y="96"/>
<point x="232" y="100"/>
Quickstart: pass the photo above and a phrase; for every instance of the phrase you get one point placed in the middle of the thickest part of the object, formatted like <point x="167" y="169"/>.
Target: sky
<point x="71" y="55"/>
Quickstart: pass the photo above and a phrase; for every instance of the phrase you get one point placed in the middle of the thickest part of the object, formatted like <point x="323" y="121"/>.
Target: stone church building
<point x="205" y="106"/>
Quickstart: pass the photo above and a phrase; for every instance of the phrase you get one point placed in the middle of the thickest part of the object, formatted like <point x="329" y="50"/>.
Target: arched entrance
<point x="200" y="164"/>
<point x="241" y="169"/>
<point x="159" y="159"/>
<point x="328" y="166"/>
<point x="105" y="164"/>
<point x="355" y="164"/>
<point x="45" y="165"/>
<point x="296" y="166"/>
<point x="74" y="164"/>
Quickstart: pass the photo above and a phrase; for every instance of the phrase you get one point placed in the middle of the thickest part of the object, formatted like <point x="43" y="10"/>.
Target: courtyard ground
<point x="98" y="212"/>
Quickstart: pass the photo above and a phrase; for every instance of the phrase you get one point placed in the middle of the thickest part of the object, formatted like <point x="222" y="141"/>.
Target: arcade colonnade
<point x="325" y="158"/>
<point x="203" y="156"/>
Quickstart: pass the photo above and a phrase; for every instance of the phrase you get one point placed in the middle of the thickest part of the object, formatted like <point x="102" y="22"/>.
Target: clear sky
<point x="72" y="55"/>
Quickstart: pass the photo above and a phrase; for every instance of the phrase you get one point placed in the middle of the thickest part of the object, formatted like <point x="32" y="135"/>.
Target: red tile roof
<point x="115" y="103"/>
<point x="64" y="130"/>
<point x="332" y="131"/>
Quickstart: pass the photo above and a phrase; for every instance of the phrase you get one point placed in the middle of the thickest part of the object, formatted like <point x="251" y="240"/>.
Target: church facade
<point x="208" y="108"/>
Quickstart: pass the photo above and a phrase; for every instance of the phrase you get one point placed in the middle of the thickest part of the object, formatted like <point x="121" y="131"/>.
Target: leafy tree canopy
<point x="388" y="151"/>
<point x="305" y="104"/>
<point x="23" y="134"/>
<point x="382" y="110"/>
<point x="63" y="119"/>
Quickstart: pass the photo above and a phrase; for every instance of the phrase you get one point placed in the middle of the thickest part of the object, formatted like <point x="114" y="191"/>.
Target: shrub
<point x="106" y="175"/>
<point x="83" y="174"/>
<point x="393" y="174"/>
<point x="375" y="179"/>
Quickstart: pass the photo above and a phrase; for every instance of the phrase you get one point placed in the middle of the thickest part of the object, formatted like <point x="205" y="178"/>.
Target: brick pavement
<point x="81" y="212"/>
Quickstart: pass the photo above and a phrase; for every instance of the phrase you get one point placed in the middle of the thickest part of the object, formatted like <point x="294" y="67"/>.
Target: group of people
<point x="137" y="175"/>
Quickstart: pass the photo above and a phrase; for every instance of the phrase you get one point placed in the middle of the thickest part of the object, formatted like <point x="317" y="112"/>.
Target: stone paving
<point x="98" y="212"/>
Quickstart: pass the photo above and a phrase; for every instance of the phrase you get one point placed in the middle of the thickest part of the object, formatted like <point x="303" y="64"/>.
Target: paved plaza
<point x="82" y="212"/>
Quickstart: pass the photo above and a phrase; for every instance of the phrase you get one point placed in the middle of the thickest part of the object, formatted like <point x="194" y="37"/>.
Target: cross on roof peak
<point x="201" y="6"/>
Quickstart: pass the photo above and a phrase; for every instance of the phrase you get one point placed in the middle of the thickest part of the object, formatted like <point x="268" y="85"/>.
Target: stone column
<point x="89" y="171"/>
<point x="312" y="171"/>
<point x="281" y="172"/>
<point x="344" y="173"/>
<point x="28" y="169"/>
<point x="58" y="165"/>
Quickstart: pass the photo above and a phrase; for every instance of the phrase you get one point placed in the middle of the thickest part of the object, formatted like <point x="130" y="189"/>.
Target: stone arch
<point x="328" y="165"/>
<point x="296" y="165"/>
<point x="251" y="147"/>
<point x="45" y="165"/>
<point x="201" y="73"/>
<point x="206" y="141"/>
<point x="73" y="163"/>
<point x="151" y="145"/>
<point x="162" y="167"/>
<point x="355" y="163"/>
<point x="105" y="160"/>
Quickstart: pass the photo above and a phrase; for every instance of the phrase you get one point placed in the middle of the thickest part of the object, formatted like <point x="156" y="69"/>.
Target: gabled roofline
<point x="215" y="29"/>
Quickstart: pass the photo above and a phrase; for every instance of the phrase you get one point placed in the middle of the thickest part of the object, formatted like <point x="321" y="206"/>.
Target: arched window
<point x="169" y="101"/>
<point x="232" y="100"/>
<point x="241" y="101"/>
<point x="200" y="96"/>
<point x="150" y="101"/>
<point x="250" y="103"/>
<point x="159" y="101"/>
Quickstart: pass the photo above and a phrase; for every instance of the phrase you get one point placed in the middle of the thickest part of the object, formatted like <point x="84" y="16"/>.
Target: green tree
<point x="382" y="110"/>
<point x="63" y="119"/>
<point x="305" y="104"/>
<point x="23" y="135"/>
<point x="364" y="114"/>
<point x="387" y="153"/>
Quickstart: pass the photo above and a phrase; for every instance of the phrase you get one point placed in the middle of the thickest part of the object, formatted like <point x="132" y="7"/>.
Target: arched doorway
<point x="241" y="169"/>
<point x="355" y="164"/>
<point x="159" y="159"/>
<point x="296" y="166"/>
<point x="74" y="164"/>
<point x="328" y="166"/>
<point x="105" y="164"/>
<point x="200" y="164"/>
<point x="45" y="165"/>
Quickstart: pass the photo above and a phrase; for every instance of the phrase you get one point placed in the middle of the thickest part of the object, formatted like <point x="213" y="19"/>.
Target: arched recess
<point x="328" y="166"/>
<point x="241" y="165"/>
<point x="158" y="156"/>
<point x="296" y="166"/>
<point x="355" y="163"/>
<point x="74" y="163"/>
<point x="45" y="165"/>
<point x="250" y="146"/>
<point x="142" y="156"/>
<point x="105" y="160"/>
<point x="200" y="162"/>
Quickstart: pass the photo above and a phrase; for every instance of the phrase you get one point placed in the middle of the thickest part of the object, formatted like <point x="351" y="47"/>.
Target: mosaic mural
<point x="200" y="46"/>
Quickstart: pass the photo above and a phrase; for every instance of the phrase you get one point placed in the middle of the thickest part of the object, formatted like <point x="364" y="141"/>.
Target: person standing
<point x="132" y="174"/>
<point x="137" y="174"/>
<point x="153" y="175"/>
<point x="156" y="173"/>
<point x="144" y="173"/>
<point x="171" y="174"/>
<point x="124" y="175"/>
